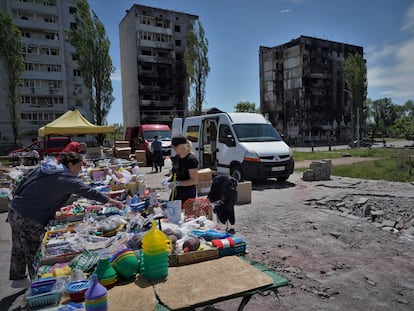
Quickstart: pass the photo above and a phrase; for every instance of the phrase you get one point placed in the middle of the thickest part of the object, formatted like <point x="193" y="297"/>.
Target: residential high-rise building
<point x="154" y="80"/>
<point x="52" y="82"/>
<point x="303" y="90"/>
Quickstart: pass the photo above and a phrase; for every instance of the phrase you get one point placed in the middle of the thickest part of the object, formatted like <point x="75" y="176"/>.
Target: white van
<point x="243" y="145"/>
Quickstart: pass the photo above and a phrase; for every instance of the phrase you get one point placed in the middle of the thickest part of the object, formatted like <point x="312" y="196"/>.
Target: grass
<point x="392" y="164"/>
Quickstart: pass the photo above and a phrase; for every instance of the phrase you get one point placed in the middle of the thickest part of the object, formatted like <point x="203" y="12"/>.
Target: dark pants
<point x="184" y="193"/>
<point x="157" y="160"/>
<point x="27" y="237"/>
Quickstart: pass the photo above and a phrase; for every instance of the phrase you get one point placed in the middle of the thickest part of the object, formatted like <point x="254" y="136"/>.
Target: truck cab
<point x="140" y="137"/>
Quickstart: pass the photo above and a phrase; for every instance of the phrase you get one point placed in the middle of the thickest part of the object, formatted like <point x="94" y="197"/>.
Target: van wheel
<point x="236" y="172"/>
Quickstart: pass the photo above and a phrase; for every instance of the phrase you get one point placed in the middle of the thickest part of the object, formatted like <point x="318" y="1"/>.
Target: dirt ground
<point x="344" y="244"/>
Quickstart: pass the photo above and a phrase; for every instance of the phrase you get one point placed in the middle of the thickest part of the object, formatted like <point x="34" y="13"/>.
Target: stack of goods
<point x="154" y="254"/>
<point x="96" y="297"/>
<point x="106" y="274"/>
<point x="44" y="291"/>
<point x="125" y="263"/>
<point x="77" y="290"/>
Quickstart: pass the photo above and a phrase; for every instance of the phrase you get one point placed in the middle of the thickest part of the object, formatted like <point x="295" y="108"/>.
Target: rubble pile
<point x="393" y="214"/>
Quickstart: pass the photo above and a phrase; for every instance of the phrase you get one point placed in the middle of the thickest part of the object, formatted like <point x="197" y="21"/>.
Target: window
<point x="26" y="34"/>
<point x="177" y="42"/>
<point x="224" y="133"/>
<point x="49" y="19"/>
<point x="75" y="57"/>
<point x="52" y="36"/>
<point x="72" y="10"/>
<point x="177" y="28"/>
<point x="76" y="72"/>
<point x="73" y="26"/>
<point x="192" y="133"/>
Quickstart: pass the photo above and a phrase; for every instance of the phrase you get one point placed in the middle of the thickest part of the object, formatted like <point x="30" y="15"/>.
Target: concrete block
<point x="244" y="192"/>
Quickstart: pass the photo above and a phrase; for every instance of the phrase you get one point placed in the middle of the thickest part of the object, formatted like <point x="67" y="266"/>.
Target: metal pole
<point x="357" y="129"/>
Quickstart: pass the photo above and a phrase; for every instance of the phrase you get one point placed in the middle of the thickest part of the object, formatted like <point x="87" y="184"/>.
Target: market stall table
<point x="197" y="285"/>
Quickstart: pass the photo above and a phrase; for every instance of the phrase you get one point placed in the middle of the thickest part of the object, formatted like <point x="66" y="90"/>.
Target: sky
<point x="235" y="30"/>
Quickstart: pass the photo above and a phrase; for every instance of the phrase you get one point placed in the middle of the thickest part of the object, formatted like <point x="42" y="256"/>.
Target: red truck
<point x="50" y="146"/>
<point x="141" y="136"/>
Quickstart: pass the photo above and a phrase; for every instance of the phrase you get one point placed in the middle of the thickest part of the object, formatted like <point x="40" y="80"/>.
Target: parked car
<point x="361" y="143"/>
<point x="53" y="146"/>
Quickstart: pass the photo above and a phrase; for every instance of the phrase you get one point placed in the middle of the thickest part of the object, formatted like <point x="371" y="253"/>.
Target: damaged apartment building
<point x="154" y="80"/>
<point x="303" y="91"/>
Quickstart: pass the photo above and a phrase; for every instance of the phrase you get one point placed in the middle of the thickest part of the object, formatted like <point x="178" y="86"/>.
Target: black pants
<point x="157" y="160"/>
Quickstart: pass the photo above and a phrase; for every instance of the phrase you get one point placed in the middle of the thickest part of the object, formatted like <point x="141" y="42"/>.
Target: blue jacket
<point x="46" y="189"/>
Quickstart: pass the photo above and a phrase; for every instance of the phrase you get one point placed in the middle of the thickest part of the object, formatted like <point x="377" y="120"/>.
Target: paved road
<point x="397" y="144"/>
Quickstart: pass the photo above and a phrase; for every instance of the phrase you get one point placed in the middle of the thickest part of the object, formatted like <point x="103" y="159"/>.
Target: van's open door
<point x="177" y="127"/>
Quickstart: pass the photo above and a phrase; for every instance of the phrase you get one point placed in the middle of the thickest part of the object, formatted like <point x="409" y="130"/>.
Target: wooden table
<point x="197" y="285"/>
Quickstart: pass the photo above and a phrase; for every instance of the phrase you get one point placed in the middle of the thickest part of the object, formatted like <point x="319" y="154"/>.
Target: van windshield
<point x="162" y="135"/>
<point x="256" y="132"/>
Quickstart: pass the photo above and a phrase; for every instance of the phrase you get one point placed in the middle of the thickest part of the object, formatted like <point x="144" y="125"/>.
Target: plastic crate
<point x="238" y="249"/>
<point x="49" y="298"/>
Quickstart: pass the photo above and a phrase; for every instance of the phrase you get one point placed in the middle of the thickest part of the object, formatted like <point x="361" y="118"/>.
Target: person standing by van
<point x="184" y="173"/>
<point x="156" y="150"/>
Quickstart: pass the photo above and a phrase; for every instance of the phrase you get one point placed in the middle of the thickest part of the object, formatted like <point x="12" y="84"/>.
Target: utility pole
<point x="357" y="127"/>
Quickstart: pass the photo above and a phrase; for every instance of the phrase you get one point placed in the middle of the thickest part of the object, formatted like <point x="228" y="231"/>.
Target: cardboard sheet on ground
<point x="138" y="295"/>
<point x="209" y="281"/>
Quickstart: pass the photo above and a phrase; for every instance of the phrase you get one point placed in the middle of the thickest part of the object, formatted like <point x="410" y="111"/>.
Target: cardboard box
<point x="141" y="157"/>
<point x="122" y="152"/>
<point x="244" y="192"/>
<point x="94" y="153"/>
<point x="204" y="187"/>
<point x="205" y="174"/>
<point x="176" y="260"/>
<point x="121" y="143"/>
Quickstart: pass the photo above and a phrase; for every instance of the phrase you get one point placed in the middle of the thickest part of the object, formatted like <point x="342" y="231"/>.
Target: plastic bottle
<point x="141" y="185"/>
<point x="154" y="254"/>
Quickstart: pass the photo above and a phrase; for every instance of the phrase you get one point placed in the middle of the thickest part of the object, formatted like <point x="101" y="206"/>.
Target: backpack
<point x="223" y="196"/>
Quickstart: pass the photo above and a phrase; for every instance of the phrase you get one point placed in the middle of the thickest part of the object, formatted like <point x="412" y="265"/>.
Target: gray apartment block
<point x="154" y="80"/>
<point x="303" y="91"/>
<point x="52" y="82"/>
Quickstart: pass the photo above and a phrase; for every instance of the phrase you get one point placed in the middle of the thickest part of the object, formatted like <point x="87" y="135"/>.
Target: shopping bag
<point x="173" y="211"/>
<point x="196" y="207"/>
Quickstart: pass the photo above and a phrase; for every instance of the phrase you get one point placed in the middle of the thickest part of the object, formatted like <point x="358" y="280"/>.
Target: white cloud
<point x="392" y="71"/>
<point x="285" y="11"/>
<point x="408" y="24"/>
<point x="116" y="76"/>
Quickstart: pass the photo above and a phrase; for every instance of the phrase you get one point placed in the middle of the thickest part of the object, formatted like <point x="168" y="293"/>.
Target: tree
<point x="385" y="114"/>
<point x="196" y="63"/>
<point x="246" y="107"/>
<point x="355" y="71"/>
<point x="11" y="48"/>
<point x="92" y="45"/>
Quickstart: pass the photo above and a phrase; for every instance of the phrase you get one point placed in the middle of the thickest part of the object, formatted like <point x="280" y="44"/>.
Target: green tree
<point x="385" y="114"/>
<point x="355" y="71"/>
<point x="196" y="64"/>
<point x="11" y="48"/>
<point x="246" y="107"/>
<point x="92" y="45"/>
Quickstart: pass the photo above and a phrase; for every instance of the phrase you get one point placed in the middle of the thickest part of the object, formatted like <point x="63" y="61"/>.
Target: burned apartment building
<point x="303" y="91"/>
<point x="154" y="80"/>
<point x="52" y="82"/>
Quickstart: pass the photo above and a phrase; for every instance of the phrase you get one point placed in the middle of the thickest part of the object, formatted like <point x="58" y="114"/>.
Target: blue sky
<point x="236" y="29"/>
